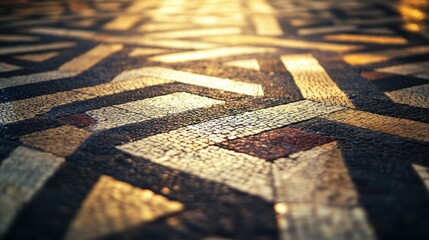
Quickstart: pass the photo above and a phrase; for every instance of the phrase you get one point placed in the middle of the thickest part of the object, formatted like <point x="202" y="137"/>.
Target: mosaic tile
<point x="306" y="221"/>
<point x="252" y="64"/>
<point x="34" y="47"/>
<point x="147" y="51"/>
<point x="394" y="126"/>
<point x="146" y="109"/>
<point x="28" y="108"/>
<point x="194" y="79"/>
<point x="423" y="173"/>
<point x="113" y="206"/>
<point x="22" y="175"/>
<point x="39" y="57"/>
<point x="317" y="199"/>
<point x="90" y="58"/>
<point x="304" y="68"/>
<point x="34" y="78"/>
<point x="192" y="33"/>
<point x="384" y="55"/>
<point x="153" y="27"/>
<point x="324" y="30"/>
<point x="61" y="141"/>
<point x="210" y="54"/>
<point x="245" y="173"/>
<point x="276" y="143"/>
<point x="413" y="69"/>
<point x="195" y="137"/>
<point x="267" y="25"/>
<point x="135" y="40"/>
<point x="6" y="67"/>
<point x="417" y="96"/>
<point x="21" y="38"/>
<point x="281" y="42"/>
<point x="122" y="23"/>
<point x="366" y="38"/>
<point x="78" y="120"/>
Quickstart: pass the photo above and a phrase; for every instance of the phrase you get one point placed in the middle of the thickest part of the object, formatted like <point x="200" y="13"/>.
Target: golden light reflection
<point x="281" y="208"/>
<point x="413" y="13"/>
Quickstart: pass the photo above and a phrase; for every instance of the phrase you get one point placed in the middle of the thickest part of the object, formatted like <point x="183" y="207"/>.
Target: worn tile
<point x="384" y="55"/>
<point x="6" y="67"/>
<point x="147" y="51"/>
<point x="193" y="33"/>
<point x="146" y="109"/>
<point x="266" y="25"/>
<point x="304" y="69"/>
<point x="362" y="38"/>
<point x="417" y="96"/>
<point x="276" y="143"/>
<point x="195" y="137"/>
<point x="62" y="141"/>
<point x="22" y="175"/>
<point x="394" y="126"/>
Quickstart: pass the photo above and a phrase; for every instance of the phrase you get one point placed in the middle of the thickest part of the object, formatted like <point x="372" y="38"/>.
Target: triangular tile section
<point x="252" y="64"/>
<point x="39" y="57"/>
<point x="6" y="67"/>
<point x="113" y="206"/>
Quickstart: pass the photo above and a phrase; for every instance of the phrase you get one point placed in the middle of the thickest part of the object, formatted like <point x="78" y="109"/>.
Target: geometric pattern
<point x="203" y="119"/>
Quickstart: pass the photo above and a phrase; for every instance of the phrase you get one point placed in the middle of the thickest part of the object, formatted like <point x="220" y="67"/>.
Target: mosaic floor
<point x="214" y="119"/>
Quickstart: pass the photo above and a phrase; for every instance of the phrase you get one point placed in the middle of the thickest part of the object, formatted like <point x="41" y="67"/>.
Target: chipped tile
<point x="113" y="206"/>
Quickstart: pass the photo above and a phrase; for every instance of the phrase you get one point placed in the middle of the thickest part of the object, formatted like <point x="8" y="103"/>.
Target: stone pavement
<point x="214" y="119"/>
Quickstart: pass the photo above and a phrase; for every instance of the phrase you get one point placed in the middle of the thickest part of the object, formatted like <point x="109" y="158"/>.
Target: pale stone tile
<point x="367" y="39"/>
<point x="245" y="63"/>
<point x="210" y="54"/>
<point x="113" y="206"/>
<point x="122" y="23"/>
<point x="20" y="38"/>
<point x="304" y="69"/>
<point x="423" y="173"/>
<point x="193" y="33"/>
<point x="267" y="25"/>
<point x="38" y="57"/>
<point x="281" y="42"/>
<point x="35" y="47"/>
<point x="324" y="30"/>
<point x="137" y="52"/>
<point x="61" y="141"/>
<point x="90" y="58"/>
<point x="194" y="79"/>
<point x="407" y="69"/>
<point x="417" y="96"/>
<point x="22" y="174"/>
<point x="394" y="126"/>
<point x="28" y="108"/>
<point x="384" y="55"/>
<point x="34" y="78"/>
<point x="146" y="109"/>
<point x="6" y="67"/>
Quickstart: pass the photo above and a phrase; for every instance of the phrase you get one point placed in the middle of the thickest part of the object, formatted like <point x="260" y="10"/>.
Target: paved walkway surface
<point x="214" y="119"/>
